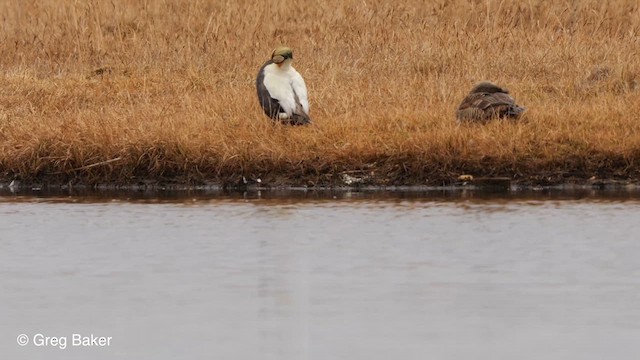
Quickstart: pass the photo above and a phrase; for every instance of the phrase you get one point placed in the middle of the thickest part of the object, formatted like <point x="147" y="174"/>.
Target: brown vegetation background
<point x="124" y="91"/>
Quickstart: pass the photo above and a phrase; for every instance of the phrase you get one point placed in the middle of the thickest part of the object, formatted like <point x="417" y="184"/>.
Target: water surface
<point x="323" y="276"/>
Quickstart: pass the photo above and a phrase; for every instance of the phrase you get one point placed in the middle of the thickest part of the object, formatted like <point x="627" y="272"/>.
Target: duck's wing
<point x="299" y="116"/>
<point x="473" y="107"/>
<point x="505" y="106"/>
<point x="270" y="105"/>
<point x="300" y="93"/>
<point x="483" y="106"/>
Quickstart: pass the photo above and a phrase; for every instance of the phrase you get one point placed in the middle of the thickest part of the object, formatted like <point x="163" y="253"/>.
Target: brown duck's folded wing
<point x="484" y="106"/>
<point x="473" y="107"/>
<point x="505" y="106"/>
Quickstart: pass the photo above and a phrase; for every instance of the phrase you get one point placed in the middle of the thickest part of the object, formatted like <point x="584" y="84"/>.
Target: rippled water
<point x="335" y="276"/>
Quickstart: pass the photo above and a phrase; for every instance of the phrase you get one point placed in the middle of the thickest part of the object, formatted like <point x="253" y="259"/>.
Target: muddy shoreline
<point x="497" y="184"/>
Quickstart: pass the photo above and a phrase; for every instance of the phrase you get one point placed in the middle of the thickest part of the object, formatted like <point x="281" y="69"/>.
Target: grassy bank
<point x="122" y="91"/>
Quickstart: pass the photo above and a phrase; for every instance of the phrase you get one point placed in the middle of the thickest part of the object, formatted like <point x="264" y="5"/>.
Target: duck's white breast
<point x="279" y="85"/>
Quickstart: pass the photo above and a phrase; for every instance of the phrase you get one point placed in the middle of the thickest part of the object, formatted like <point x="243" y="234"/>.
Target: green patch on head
<point x="281" y="53"/>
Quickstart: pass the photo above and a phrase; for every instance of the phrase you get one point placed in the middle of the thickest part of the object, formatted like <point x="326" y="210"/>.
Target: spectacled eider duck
<point x="487" y="101"/>
<point x="281" y="89"/>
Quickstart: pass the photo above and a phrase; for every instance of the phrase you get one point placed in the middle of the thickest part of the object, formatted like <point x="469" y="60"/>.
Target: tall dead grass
<point x="125" y="91"/>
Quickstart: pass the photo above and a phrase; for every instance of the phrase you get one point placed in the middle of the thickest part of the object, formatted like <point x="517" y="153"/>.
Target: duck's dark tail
<point x="513" y="111"/>
<point x="298" y="119"/>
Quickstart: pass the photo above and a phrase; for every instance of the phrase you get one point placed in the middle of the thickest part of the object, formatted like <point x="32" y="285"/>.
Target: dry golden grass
<point x="174" y="97"/>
